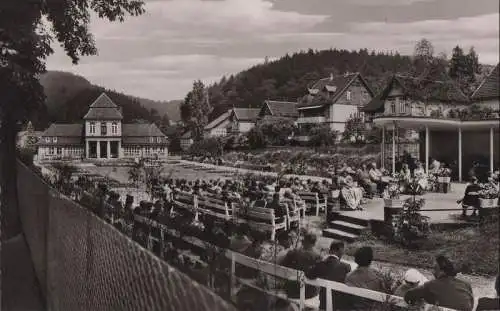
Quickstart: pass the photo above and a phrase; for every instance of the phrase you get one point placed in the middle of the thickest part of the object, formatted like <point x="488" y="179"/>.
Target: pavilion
<point x="451" y="126"/>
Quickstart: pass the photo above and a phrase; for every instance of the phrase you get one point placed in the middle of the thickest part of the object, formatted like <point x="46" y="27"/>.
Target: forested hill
<point x="289" y="77"/>
<point x="68" y="97"/>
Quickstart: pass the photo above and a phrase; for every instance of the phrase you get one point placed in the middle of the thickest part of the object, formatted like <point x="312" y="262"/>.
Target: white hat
<point x="415" y="277"/>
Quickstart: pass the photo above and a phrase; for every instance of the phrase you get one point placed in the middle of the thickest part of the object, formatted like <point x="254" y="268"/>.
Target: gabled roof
<point x="282" y="108"/>
<point x="246" y="114"/>
<point x="488" y="89"/>
<point x="443" y="91"/>
<point x="223" y="117"/>
<point x="141" y="130"/>
<point x="186" y="135"/>
<point x="103" y="108"/>
<point x="66" y="134"/>
<point x="334" y="86"/>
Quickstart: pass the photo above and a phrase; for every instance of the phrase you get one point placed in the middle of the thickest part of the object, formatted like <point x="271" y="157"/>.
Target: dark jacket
<point x="329" y="269"/>
<point x="300" y="259"/>
<point x="488" y="304"/>
<point x="447" y="292"/>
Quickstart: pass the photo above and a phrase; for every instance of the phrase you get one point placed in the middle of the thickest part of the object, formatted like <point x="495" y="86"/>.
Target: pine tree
<point x="195" y="110"/>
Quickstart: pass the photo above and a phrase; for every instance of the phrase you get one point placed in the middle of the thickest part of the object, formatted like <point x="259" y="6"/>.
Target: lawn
<point x="476" y="249"/>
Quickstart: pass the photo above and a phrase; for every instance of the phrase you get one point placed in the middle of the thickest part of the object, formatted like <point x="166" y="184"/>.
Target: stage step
<point x="340" y="235"/>
<point x="350" y="219"/>
<point x="348" y="227"/>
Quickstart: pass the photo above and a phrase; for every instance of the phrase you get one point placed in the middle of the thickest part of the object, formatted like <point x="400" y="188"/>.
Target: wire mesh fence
<point x="83" y="263"/>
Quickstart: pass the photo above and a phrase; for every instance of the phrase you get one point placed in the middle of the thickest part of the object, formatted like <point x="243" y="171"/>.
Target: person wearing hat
<point x="446" y="290"/>
<point x="412" y="279"/>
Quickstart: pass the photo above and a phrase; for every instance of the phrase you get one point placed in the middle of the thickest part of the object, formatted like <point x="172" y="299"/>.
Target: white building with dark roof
<point x="102" y="135"/>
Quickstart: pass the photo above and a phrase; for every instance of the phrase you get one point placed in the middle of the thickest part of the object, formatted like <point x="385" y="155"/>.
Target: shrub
<point x="256" y="138"/>
<point x="411" y="226"/>
<point x="207" y="147"/>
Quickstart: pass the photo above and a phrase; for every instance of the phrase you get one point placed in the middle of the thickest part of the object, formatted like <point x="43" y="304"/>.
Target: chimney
<point x="331" y="76"/>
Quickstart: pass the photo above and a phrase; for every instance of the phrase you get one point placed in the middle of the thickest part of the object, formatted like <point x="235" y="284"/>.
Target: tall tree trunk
<point x="10" y="221"/>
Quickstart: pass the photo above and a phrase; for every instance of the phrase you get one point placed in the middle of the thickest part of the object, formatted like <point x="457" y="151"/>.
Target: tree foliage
<point x="195" y="110"/>
<point x="321" y="136"/>
<point x="355" y="130"/>
<point x="464" y="68"/>
<point x="277" y="130"/>
<point x="25" y="43"/>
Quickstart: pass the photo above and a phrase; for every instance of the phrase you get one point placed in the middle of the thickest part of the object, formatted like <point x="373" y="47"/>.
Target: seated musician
<point x="377" y="177"/>
<point x="405" y="177"/>
<point x="364" y="181"/>
<point x="471" y="197"/>
<point x="421" y="177"/>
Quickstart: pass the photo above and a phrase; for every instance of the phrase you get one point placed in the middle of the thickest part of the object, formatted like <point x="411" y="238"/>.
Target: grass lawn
<point x="476" y="248"/>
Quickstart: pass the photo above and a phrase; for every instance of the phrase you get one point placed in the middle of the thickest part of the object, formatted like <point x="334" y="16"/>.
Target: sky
<point x="158" y="55"/>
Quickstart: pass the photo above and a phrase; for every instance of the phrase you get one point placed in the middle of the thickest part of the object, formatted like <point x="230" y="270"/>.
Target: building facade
<point x="333" y="101"/>
<point x="219" y="126"/>
<point x="242" y="120"/>
<point x="102" y="135"/>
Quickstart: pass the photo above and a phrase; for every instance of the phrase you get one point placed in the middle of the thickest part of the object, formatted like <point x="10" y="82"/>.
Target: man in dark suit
<point x="331" y="269"/>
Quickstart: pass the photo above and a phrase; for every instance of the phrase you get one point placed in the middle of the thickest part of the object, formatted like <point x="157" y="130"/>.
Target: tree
<point x="321" y="135"/>
<point x="25" y="43"/>
<point x="195" y="110"/>
<point x="256" y="138"/>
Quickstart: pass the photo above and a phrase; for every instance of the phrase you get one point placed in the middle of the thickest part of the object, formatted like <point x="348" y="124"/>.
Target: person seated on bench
<point x="376" y="177"/>
<point x="471" y="197"/>
<point x="278" y="207"/>
<point x="364" y="181"/>
<point x="351" y="194"/>
<point x="405" y="174"/>
<point x="421" y="177"/>
<point x="302" y="259"/>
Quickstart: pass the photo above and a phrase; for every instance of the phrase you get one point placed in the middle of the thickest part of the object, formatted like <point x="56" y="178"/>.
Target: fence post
<point x="195" y="205"/>
<point x="232" y="279"/>
<point x="302" y="291"/>
<point x="329" y="298"/>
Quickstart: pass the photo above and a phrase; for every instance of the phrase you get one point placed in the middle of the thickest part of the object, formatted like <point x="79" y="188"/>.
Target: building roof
<point x="282" y="108"/>
<point x="246" y="114"/>
<point x="334" y="86"/>
<point x="488" y="89"/>
<point x="186" y="135"/>
<point x="443" y="91"/>
<point x="66" y="134"/>
<point x="217" y="121"/>
<point x="103" y="108"/>
<point x="141" y="130"/>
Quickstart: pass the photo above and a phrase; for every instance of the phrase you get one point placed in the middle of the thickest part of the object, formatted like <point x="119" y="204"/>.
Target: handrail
<point x="295" y="275"/>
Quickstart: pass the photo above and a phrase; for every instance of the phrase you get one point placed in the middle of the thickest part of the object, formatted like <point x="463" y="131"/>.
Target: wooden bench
<point x="186" y="201"/>
<point x="312" y="199"/>
<point x="215" y="207"/>
<point x="258" y="218"/>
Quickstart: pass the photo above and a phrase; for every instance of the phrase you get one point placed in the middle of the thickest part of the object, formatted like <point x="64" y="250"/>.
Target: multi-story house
<point x="102" y="135"/>
<point x="276" y="110"/>
<point x="218" y="127"/>
<point x="429" y="109"/>
<point x="487" y="94"/>
<point x="242" y="120"/>
<point x="333" y="101"/>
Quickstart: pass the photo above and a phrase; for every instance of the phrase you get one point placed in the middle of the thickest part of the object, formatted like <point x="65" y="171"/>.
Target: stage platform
<point x="374" y="209"/>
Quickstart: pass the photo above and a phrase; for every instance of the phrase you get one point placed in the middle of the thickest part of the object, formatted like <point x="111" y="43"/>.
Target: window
<point x="402" y="107"/>
<point x="47" y="139"/>
<point x="393" y="106"/>
<point x="152" y="139"/>
<point x="114" y="128"/>
<point x="158" y="139"/>
<point x="104" y="129"/>
<point x="92" y="127"/>
<point x="348" y="95"/>
<point x="54" y="139"/>
<point x="51" y="150"/>
<point x="59" y="150"/>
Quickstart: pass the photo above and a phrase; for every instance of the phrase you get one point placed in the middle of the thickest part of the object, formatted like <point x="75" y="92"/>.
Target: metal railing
<point x="83" y="263"/>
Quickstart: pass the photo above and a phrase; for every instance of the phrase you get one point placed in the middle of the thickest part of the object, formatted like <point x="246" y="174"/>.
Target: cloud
<point x="158" y="55"/>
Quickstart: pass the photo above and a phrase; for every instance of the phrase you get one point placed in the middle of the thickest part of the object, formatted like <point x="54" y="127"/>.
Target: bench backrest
<point x="309" y="196"/>
<point x="184" y="197"/>
<point x="213" y="204"/>
<point x="254" y="214"/>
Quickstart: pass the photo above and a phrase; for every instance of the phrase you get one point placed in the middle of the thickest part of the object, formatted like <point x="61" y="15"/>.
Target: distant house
<point x="333" y="101"/>
<point x="404" y="96"/>
<point x="218" y="127"/>
<point x="186" y="140"/>
<point x="29" y="137"/>
<point x="102" y="135"/>
<point x="242" y="120"/>
<point x="487" y="94"/>
<point x="272" y="109"/>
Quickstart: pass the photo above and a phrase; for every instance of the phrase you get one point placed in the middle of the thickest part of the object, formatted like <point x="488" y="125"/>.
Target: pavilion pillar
<point x="394" y="149"/>
<point x="87" y="149"/>
<point x="427" y="150"/>
<point x="382" y="149"/>
<point x="491" y="149"/>
<point x="98" y="143"/>
<point x="460" y="154"/>
<point x="108" y="154"/>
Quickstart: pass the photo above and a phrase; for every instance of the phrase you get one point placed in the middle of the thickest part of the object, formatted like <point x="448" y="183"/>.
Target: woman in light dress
<point x="421" y="177"/>
<point x="351" y="193"/>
